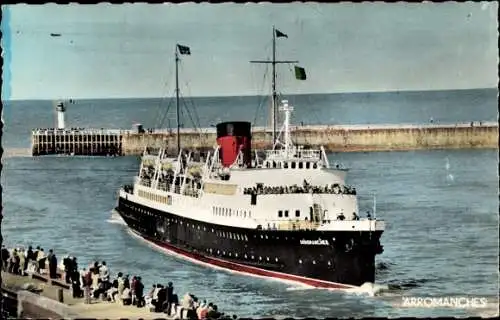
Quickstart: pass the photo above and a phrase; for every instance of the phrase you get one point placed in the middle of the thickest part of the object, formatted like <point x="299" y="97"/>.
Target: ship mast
<point x="273" y="62"/>
<point x="177" y="98"/>
<point x="185" y="50"/>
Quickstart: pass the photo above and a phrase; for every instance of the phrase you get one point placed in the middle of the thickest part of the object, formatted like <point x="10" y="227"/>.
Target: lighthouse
<point x="60" y="109"/>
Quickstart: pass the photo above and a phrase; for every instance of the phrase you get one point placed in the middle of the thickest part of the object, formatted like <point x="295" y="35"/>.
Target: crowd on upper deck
<point x="95" y="283"/>
<point x="305" y="188"/>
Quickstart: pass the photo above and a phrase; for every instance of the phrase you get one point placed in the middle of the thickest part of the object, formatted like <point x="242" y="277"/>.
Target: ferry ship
<point x="284" y="213"/>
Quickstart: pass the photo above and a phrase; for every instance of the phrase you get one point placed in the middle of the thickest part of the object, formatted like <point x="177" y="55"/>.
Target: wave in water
<point x="116" y="219"/>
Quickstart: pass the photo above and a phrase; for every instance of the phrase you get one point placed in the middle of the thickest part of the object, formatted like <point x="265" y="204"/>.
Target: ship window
<point x="267" y="164"/>
<point x="246" y="238"/>
<point x="252" y="257"/>
<point x="267" y="258"/>
<point x="285" y="165"/>
<point x="315" y="165"/>
<point x="293" y="165"/>
<point x="276" y="259"/>
<point x="274" y="164"/>
<point x="236" y="255"/>
<point x="280" y="213"/>
<point x="308" y="165"/>
<point x="297" y="213"/>
<point x="286" y="213"/>
<point x="244" y="214"/>
<point x="260" y="258"/>
<point x="300" y="261"/>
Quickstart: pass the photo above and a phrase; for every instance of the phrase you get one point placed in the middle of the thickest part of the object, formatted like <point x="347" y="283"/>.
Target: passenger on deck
<point x="341" y="217"/>
<point x="355" y="216"/>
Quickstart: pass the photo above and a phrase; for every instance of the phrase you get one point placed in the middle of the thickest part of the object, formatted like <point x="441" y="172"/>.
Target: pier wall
<point x="76" y="141"/>
<point x="337" y="138"/>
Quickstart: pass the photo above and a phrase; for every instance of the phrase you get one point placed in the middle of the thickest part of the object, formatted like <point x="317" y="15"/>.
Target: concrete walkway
<point x="97" y="309"/>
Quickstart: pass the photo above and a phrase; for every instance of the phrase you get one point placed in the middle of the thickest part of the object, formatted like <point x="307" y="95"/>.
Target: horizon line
<point x="254" y="95"/>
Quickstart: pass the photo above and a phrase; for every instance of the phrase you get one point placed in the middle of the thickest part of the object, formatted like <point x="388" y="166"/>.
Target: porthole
<point x="266" y="236"/>
<point x="329" y="263"/>
<point x="252" y="257"/>
<point x="314" y="262"/>
<point x="229" y="253"/>
<point x="276" y="259"/>
<point x="245" y="256"/>
<point x="261" y="236"/>
<point x="236" y="255"/>
<point x="219" y="252"/>
<point x="260" y="258"/>
<point x="300" y="261"/>
<point x="223" y="253"/>
<point x="267" y="258"/>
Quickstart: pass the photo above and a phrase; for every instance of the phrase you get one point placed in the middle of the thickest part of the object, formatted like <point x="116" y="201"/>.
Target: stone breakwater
<point x="336" y="138"/>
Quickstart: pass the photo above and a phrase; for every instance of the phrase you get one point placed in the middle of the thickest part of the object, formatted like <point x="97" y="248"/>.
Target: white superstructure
<point x="290" y="188"/>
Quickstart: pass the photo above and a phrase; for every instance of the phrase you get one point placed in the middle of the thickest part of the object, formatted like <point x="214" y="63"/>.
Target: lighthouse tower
<point x="60" y="109"/>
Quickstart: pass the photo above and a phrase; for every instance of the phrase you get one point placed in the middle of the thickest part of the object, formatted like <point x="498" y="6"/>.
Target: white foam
<point x="368" y="288"/>
<point x="116" y="219"/>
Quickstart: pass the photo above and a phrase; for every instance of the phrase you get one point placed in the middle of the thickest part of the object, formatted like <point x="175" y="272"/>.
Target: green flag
<point x="184" y="49"/>
<point x="300" y="73"/>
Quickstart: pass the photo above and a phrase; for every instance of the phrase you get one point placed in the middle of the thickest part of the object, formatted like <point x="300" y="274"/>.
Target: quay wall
<point x="335" y="138"/>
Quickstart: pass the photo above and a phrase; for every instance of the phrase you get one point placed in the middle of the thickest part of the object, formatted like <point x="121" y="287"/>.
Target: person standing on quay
<point x="52" y="264"/>
<point x="87" y="282"/>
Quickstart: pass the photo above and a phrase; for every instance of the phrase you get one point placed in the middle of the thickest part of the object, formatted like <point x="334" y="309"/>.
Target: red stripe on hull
<point x="247" y="269"/>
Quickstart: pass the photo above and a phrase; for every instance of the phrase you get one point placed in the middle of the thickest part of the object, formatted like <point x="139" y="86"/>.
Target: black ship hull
<point x="326" y="259"/>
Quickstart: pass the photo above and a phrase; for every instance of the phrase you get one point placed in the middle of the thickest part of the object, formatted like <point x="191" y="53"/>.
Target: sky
<point x="121" y="51"/>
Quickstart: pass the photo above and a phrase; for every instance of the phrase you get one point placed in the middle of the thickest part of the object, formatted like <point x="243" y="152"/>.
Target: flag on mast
<point x="280" y="34"/>
<point x="184" y="49"/>
<point x="300" y="73"/>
